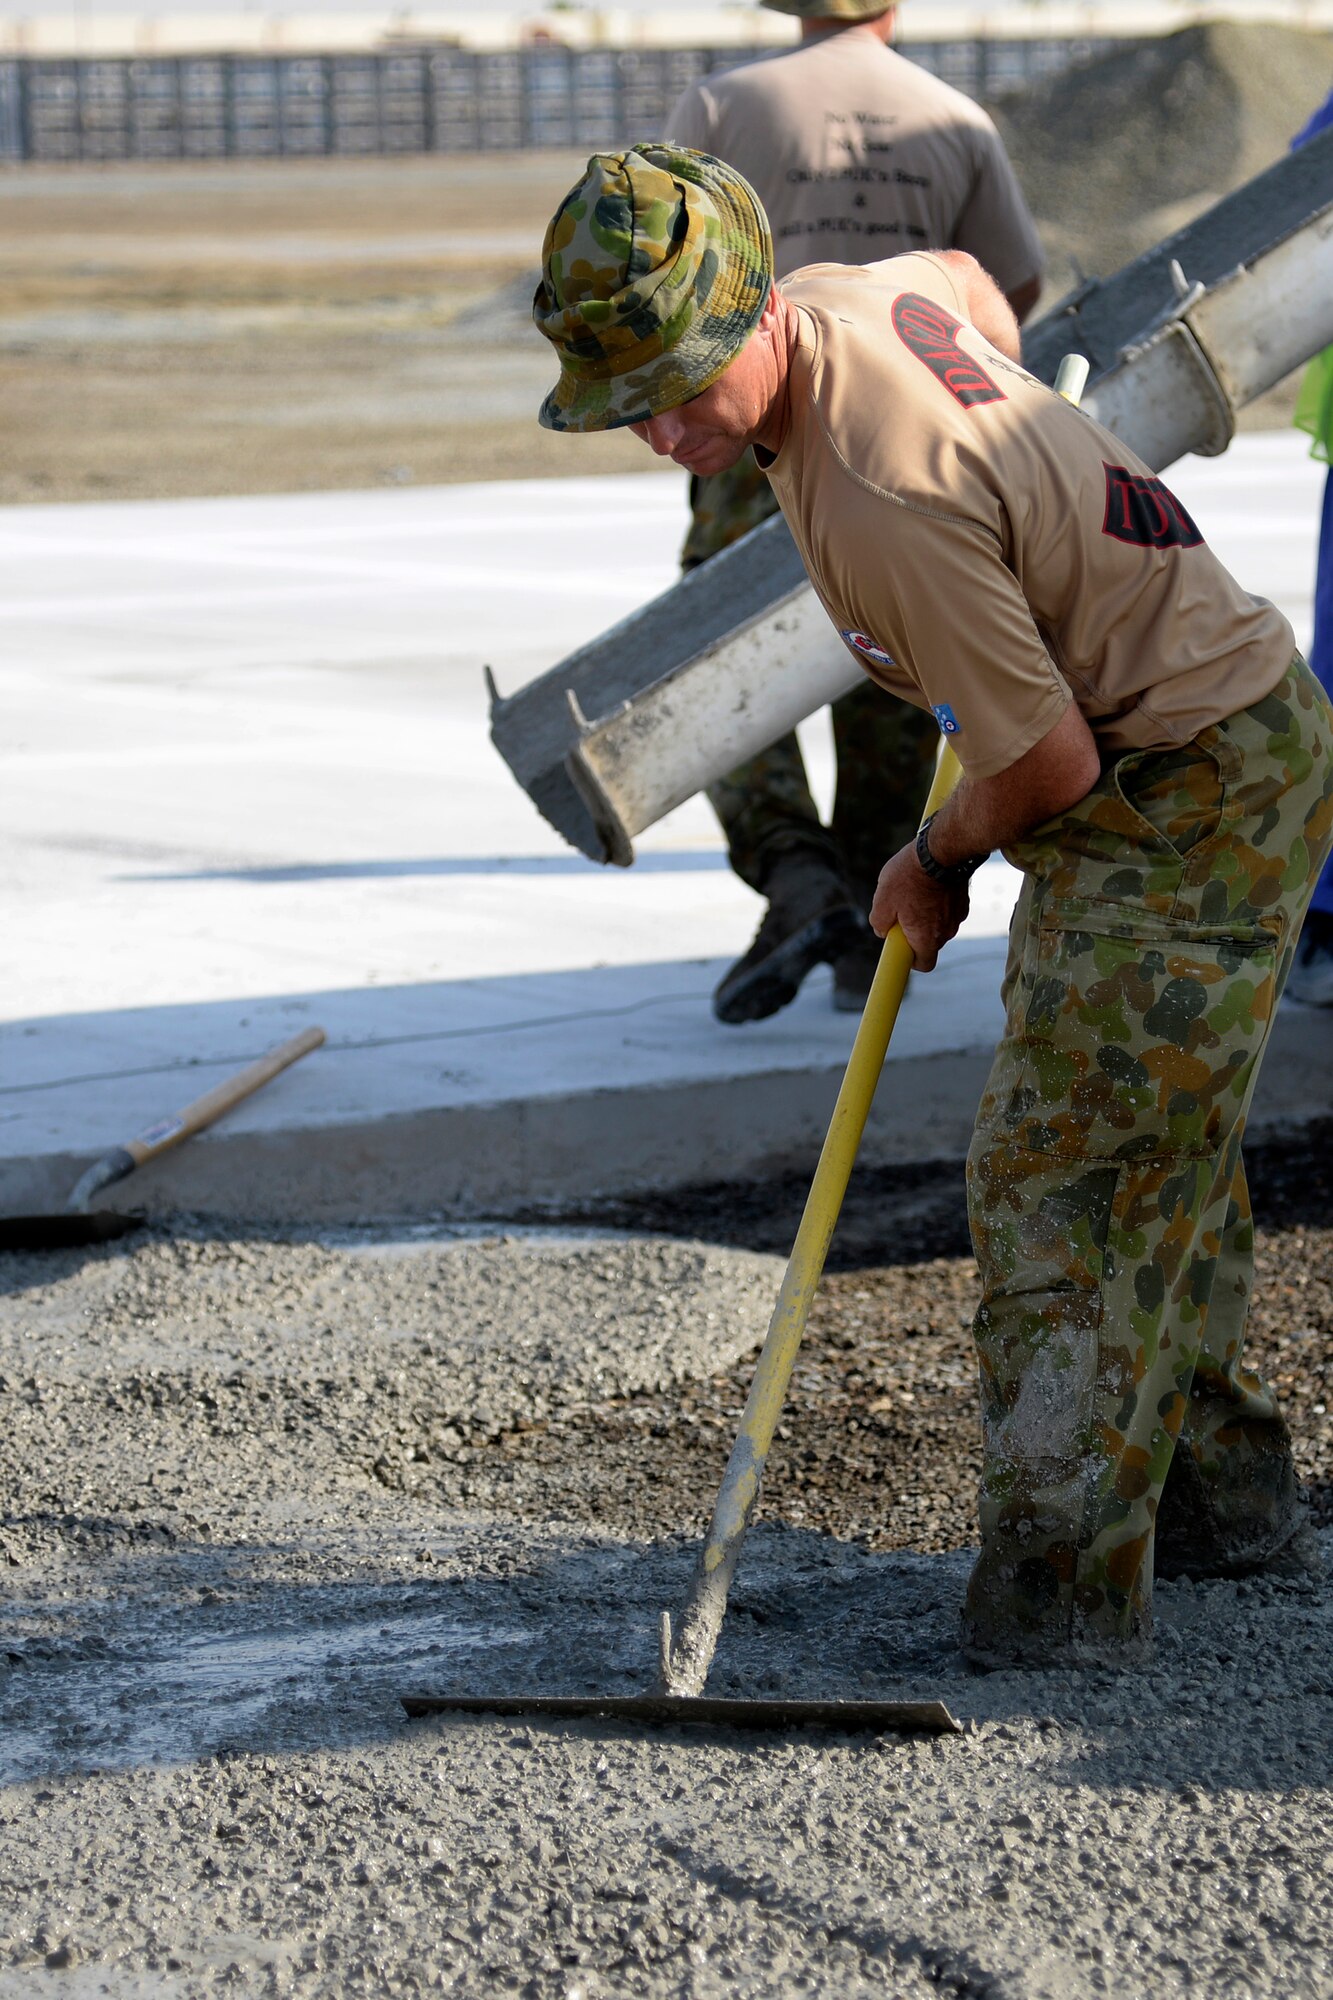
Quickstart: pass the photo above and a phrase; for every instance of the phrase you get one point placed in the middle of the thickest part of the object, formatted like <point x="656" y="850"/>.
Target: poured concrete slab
<point x="247" y="785"/>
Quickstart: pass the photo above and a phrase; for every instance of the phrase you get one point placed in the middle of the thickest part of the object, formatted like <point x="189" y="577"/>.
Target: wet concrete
<point x="211" y="1781"/>
<point x="257" y="1490"/>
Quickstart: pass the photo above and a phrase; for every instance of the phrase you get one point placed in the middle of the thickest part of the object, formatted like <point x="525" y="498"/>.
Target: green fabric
<point x="1109" y="1212"/>
<point x="831" y="10"/>
<point x="656" y="269"/>
<point x="1314" y="405"/>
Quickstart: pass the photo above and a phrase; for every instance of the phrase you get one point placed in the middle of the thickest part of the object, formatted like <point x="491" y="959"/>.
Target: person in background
<point x="857" y="155"/>
<point x="1312" y="973"/>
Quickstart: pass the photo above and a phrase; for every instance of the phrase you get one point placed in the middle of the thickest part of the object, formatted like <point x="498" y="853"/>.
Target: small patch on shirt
<point x="860" y="642"/>
<point x="948" y="721"/>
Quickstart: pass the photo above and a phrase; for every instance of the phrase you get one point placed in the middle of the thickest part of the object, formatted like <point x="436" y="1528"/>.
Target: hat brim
<point x="692" y="366"/>
<point x="833" y="10"/>
<point x="601" y="399"/>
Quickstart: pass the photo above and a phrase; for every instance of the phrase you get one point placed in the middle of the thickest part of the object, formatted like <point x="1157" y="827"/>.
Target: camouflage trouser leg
<point x="1106" y="1194"/>
<point x="765" y="805"/>
<point x="884" y="748"/>
<point x="767" y="812"/>
<point x="724" y="507"/>
<point x="1231" y="1487"/>
<point x="885" y="753"/>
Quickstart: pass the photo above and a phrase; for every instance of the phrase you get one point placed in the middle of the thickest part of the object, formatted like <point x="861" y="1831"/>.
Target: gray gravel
<point x="222" y="1574"/>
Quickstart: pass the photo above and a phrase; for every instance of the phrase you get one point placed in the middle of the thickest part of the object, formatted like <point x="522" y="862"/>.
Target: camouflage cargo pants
<point x="884" y="748"/>
<point x="1106" y="1192"/>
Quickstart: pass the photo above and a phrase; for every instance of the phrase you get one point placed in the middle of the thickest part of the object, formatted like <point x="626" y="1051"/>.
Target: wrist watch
<point x="958" y="874"/>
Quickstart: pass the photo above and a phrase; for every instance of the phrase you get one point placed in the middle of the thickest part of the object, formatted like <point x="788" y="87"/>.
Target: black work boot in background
<point x="854" y="969"/>
<point x="810" y="920"/>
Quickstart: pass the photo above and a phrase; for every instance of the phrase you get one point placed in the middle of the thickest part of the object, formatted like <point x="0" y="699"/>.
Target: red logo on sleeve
<point x="1143" y="511"/>
<point x="932" y="335"/>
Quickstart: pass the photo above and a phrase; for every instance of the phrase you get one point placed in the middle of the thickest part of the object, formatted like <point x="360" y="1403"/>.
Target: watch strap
<point x="957" y="874"/>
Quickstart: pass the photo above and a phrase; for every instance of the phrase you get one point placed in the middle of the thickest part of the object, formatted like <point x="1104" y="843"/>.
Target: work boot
<point x="810" y="919"/>
<point x="1311" y="975"/>
<point x="1252" y="1524"/>
<point x="853" y="972"/>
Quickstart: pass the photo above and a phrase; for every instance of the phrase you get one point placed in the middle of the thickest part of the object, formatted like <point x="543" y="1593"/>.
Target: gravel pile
<point x="407" y="1364"/>
<point x="1115" y="156"/>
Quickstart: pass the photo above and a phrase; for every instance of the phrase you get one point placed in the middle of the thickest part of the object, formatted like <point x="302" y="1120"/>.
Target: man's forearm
<point x="977" y="818"/>
<point x="985" y="813"/>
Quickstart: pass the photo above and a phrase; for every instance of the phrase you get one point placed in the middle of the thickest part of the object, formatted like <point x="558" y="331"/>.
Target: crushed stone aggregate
<point x="255" y="1490"/>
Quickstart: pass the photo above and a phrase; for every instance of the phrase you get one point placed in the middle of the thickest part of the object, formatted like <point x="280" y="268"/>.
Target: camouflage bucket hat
<point x="655" y="271"/>
<point x="831" y="10"/>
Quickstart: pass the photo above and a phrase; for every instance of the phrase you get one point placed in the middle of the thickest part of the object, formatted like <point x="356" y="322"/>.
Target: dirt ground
<point x="277" y="327"/>
<point x="257" y="1489"/>
<point x="284" y="326"/>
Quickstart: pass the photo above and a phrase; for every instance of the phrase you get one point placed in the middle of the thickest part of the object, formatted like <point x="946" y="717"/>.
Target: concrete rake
<point x="687" y="1656"/>
<point x="686" y="1652"/>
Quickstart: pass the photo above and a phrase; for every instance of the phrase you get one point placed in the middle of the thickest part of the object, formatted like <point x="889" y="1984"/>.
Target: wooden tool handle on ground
<point x="204" y="1111"/>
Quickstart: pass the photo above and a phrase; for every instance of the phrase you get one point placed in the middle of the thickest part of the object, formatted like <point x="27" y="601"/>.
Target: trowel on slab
<point x="78" y="1223"/>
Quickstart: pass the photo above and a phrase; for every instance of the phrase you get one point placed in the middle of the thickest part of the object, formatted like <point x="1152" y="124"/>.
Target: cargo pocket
<point x="1137" y="1039"/>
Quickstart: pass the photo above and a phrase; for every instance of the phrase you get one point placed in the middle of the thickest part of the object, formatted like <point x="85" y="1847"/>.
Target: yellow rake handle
<point x="686" y="1659"/>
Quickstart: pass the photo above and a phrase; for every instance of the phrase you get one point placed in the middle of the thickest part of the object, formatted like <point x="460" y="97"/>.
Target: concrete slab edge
<point x="496" y="1159"/>
<point x="493" y="1159"/>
